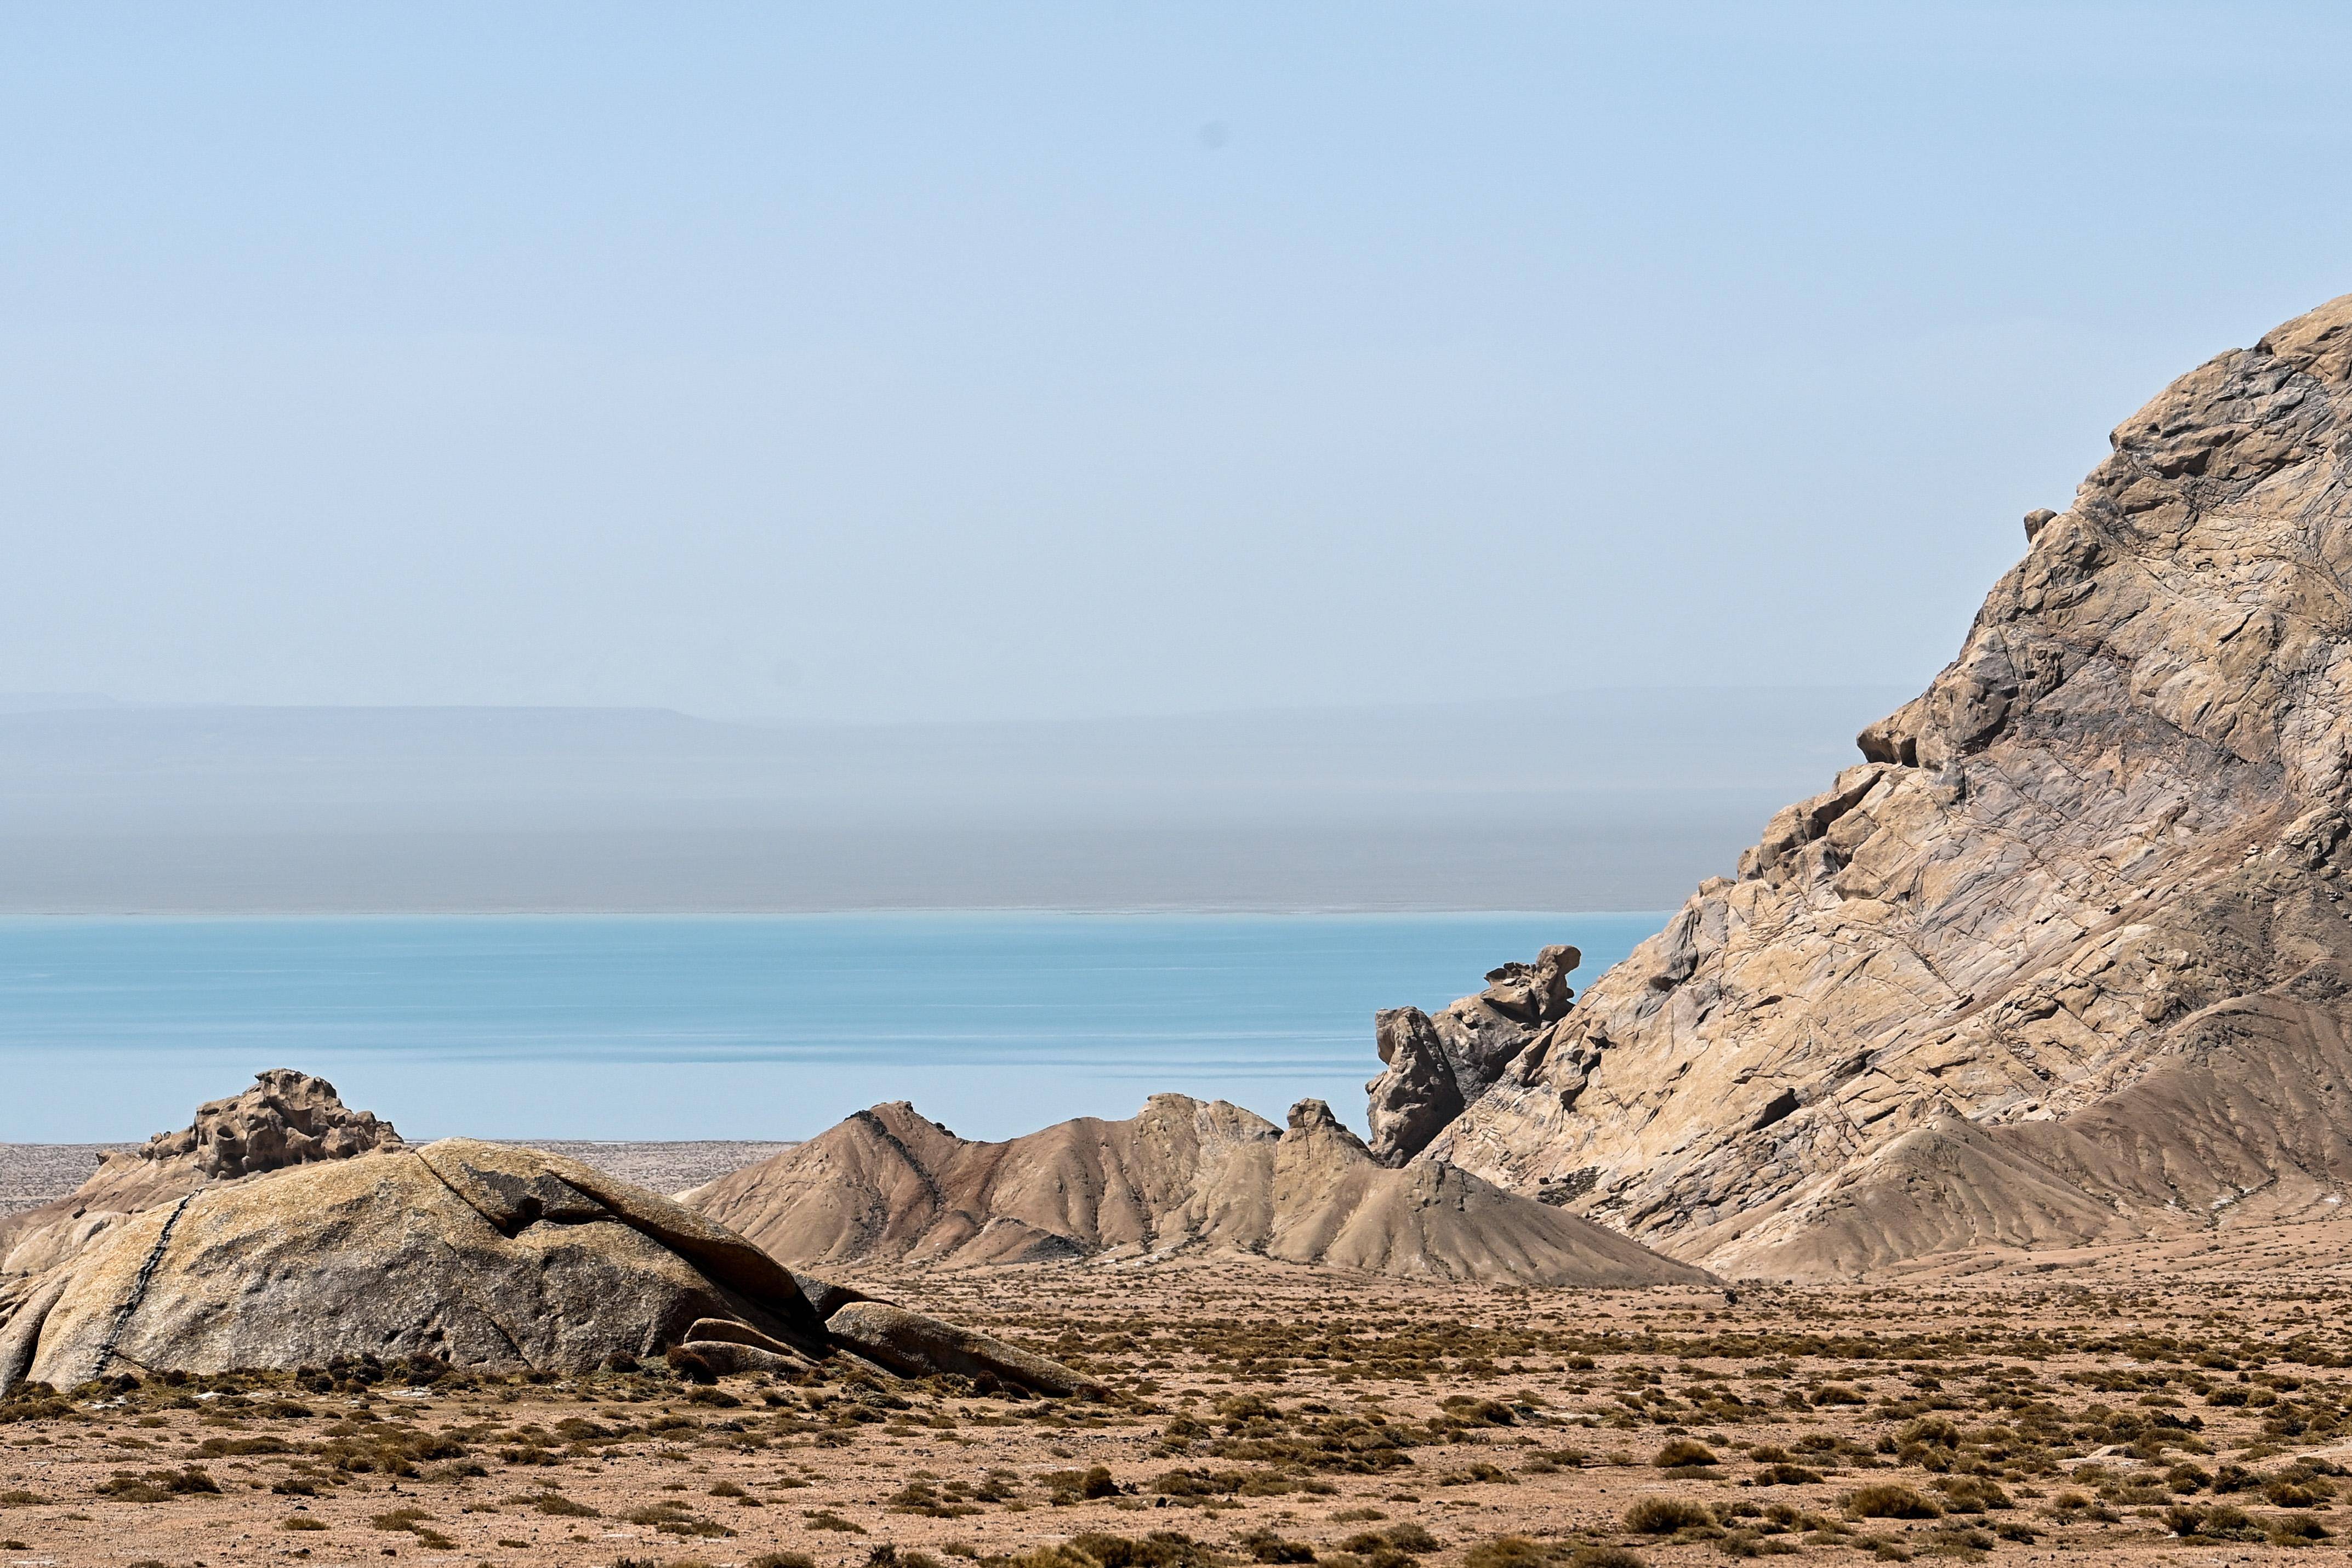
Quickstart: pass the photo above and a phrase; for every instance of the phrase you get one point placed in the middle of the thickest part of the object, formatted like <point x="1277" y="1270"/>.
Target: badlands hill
<point x="2065" y="959"/>
<point x="1181" y="1177"/>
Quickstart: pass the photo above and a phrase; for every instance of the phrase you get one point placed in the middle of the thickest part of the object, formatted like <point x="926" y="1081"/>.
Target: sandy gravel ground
<point x="32" y="1174"/>
<point x="1264" y="1413"/>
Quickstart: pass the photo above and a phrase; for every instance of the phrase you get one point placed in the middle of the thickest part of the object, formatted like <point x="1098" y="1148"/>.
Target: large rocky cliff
<point x="2065" y="958"/>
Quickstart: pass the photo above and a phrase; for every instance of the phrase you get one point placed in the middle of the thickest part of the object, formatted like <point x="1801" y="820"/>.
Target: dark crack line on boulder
<point x="122" y="1314"/>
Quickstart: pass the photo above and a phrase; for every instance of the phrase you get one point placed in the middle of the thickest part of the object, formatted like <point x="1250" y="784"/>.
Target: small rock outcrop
<point x="287" y="1118"/>
<point x="2065" y="959"/>
<point x="1180" y="1177"/>
<point x="1435" y="1067"/>
<point x="478" y="1254"/>
<point x="919" y="1346"/>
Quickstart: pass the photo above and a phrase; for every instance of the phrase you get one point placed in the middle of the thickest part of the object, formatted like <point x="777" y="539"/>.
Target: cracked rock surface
<point x="471" y="1253"/>
<point x="2064" y="959"/>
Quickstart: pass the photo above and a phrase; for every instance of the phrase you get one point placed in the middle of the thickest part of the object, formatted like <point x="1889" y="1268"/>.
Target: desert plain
<point x="2187" y="1406"/>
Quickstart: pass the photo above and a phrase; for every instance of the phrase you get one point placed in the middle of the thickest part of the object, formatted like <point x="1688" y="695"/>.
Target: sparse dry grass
<point x="1261" y="1415"/>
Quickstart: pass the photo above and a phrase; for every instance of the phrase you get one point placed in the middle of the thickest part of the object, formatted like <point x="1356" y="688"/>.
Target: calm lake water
<point x="734" y="1026"/>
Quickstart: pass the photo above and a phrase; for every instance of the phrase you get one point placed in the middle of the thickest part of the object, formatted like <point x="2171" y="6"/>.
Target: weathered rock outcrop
<point x="287" y="1118"/>
<point x="1181" y="1177"/>
<point x="1435" y="1066"/>
<point x="2067" y="957"/>
<point x="478" y="1254"/>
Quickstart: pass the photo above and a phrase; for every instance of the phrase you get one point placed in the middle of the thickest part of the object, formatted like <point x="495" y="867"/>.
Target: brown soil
<point x="1261" y="1413"/>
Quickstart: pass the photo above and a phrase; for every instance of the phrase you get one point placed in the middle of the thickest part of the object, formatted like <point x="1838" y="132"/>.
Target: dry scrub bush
<point x="1266" y="1546"/>
<point x="1666" y="1515"/>
<point x="1888" y="1500"/>
<point x="156" y="1486"/>
<point x="1507" y="1552"/>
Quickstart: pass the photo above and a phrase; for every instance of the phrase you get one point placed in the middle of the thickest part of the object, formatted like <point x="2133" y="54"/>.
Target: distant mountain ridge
<point x="1592" y="799"/>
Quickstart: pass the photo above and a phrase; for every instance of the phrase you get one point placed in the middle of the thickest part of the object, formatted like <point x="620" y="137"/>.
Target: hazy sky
<point x="894" y="361"/>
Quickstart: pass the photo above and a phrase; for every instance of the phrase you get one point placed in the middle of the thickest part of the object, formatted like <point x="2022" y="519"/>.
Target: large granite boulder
<point x="479" y="1254"/>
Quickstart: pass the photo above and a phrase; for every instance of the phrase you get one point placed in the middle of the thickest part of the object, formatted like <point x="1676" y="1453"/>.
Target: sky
<point x="940" y="361"/>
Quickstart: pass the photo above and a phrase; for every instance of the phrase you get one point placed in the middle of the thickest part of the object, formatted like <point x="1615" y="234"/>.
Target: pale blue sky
<point x="970" y="361"/>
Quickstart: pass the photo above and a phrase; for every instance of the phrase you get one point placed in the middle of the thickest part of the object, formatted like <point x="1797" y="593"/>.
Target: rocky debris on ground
<point x="287" y="1118"/>
<point x="470" y="1253"/>
<point x="1434" y="1067"/>
<point x="1182" y="1176"/>
<point x="2064" y="960"/>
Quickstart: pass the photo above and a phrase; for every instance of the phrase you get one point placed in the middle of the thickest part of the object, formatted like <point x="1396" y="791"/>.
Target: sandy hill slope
<point x="1182" y="1176"/>
<point x="2064" y="960"/>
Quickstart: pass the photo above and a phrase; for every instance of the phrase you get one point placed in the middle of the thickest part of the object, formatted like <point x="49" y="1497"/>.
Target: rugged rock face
<point x="479" y="1254"/>
<point x="1436" y="1066"/>
<point x="1183" y="1175"/>
<point x="2067" y="957"/>
<point x="287" y="1118"/>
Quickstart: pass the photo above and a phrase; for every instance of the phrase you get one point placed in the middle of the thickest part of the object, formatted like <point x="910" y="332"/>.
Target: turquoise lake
<point x="727" y="1027"/>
